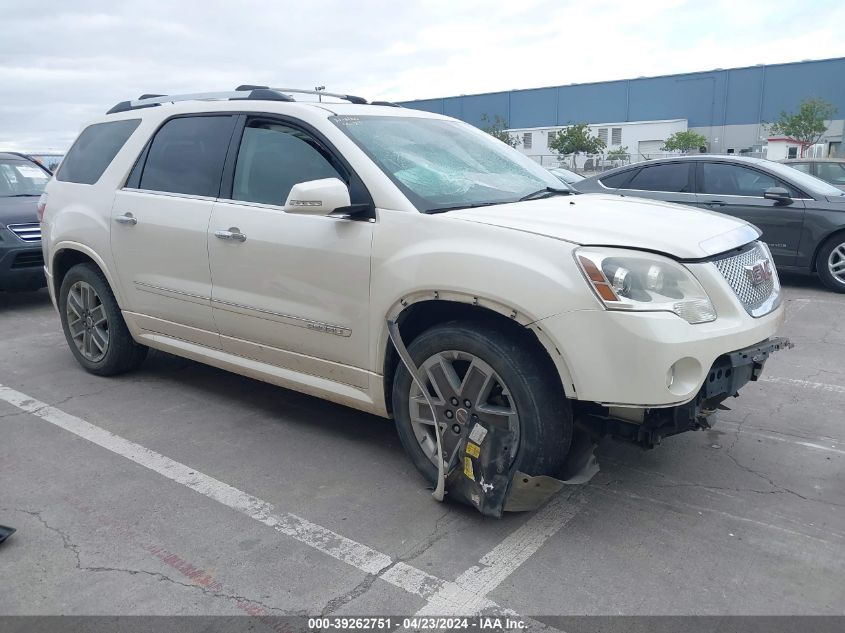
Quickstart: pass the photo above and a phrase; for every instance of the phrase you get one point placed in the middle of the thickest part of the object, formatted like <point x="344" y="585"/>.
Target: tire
<point x="106" y="348"/>
<point x="532" y="386"/>
<point x="830" y="263"/>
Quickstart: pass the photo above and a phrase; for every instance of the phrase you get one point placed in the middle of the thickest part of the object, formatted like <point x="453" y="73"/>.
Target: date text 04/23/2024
<point x="416" y="623"/>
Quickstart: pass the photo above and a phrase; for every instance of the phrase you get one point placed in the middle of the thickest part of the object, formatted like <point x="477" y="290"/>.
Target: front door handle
<point x="233" y="234"/>
<point x="715" y="203"/>
<point x="126" y="218"/>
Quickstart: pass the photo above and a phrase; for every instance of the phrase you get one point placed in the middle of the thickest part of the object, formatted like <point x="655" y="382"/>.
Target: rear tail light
<point x="42" y="206"/>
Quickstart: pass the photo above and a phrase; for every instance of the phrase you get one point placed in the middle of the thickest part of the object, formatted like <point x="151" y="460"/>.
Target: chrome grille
<point x="30" y="233"/>
<point x="757" y="299"/>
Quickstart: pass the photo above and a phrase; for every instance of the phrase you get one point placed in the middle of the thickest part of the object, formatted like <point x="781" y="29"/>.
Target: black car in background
<point x="22" y="182"/>
<point x="802" y="218"/>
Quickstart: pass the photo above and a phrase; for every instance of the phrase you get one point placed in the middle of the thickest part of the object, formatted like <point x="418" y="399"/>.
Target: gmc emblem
<point x="759" y="271"/>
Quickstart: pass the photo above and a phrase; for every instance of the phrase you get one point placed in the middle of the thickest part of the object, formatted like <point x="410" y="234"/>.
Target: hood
<point x="18" y="210"/>
<point x="612" y="220"/>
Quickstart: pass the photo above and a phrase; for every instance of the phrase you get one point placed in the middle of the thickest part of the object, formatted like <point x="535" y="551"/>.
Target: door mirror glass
<point x="318" y="197"/>
<point x="778" y="194"/>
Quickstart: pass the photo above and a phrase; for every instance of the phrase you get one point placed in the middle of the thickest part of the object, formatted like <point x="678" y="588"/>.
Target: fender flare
<point x="59" y="247"/>
<point x="524" y="319"/>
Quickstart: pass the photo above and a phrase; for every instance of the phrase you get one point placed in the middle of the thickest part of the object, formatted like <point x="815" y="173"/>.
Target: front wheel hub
<point x="458" y="377"/>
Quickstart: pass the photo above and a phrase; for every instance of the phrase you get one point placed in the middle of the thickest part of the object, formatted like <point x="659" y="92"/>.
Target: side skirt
<point x="370" y="400"/>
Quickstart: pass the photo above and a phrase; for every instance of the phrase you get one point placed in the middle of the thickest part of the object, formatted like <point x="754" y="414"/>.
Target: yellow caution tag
<point x="473" y="449"/>
<point x="468" y="468"/>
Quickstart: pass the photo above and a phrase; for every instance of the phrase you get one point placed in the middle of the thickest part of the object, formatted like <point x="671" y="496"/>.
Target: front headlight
<point x="633" y="280"/>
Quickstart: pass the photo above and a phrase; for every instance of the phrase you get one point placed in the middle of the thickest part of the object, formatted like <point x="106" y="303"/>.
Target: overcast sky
<point x="62" y="63"/>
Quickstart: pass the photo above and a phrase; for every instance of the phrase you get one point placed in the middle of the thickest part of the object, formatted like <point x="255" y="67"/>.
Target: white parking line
<point x="504" y="559"/>
<point x="819" y="386"/>
<point x="782" y="437"/>
<point x="448" y="596"/>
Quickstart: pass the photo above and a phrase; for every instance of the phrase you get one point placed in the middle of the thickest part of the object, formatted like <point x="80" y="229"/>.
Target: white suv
<point x="276" y="239"/>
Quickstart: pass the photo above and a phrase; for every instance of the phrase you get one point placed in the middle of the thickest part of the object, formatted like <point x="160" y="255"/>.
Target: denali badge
<point x="759" y="271"/>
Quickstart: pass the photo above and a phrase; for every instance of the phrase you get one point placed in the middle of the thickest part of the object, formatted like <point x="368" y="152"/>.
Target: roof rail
<point x="246" y="92"/>
<point x="147" y="100"/>
<point x="302" y="91"/>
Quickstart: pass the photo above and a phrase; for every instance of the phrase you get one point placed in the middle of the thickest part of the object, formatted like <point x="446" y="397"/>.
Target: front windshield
<point x="804" y="181"/>
<point x="441" y="164"/>
<point x="20" y="177"/>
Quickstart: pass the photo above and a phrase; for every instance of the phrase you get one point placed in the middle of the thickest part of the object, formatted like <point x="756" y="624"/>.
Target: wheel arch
<point x="416" y="314"/>
<point x="66" y="255"/>
<point x="814" y="262"/>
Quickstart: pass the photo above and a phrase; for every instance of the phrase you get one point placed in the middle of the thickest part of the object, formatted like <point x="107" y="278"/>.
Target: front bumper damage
<point x="729" y="373"/>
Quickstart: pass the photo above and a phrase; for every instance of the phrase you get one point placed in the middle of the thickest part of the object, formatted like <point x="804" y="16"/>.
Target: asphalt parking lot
<point x="182" y="489"/>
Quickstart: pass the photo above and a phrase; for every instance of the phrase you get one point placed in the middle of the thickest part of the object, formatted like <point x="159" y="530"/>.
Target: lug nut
<point x="456" y="429"/>
<point x="449" y="414"/>
<point x="467" y="404"/>
<point x="454" y="402"/>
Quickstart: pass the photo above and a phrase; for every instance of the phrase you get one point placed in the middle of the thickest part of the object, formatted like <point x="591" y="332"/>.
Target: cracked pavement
<point x="745" y="518"/>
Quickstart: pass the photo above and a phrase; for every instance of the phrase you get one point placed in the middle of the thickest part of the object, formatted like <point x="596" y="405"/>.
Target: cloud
<point x="64" y="63"/>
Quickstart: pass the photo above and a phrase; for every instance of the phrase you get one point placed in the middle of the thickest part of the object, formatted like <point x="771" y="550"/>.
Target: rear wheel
<point x="476" y="373"/>
<point x="93" y="325"/>
<point x="831" y="263"/>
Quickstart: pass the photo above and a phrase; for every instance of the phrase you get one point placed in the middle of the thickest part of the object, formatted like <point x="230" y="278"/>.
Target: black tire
<point x="545" y="416"/>
<point x="122" y="353"/>
<point x="828" y="279"/>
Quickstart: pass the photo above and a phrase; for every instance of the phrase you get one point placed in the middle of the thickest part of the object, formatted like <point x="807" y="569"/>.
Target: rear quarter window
<point x="94" y="151"/>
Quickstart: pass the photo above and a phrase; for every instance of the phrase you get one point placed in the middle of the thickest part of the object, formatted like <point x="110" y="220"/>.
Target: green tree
<point x="497" y="128"/>
<point x="807" y="125"/>
<point x="574" y="140"/>
<point x="620" y="153"/>
<point x="684" y="142"/>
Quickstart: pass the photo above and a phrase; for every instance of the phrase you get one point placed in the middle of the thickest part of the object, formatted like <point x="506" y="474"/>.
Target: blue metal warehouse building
<point x="728" y="106"/>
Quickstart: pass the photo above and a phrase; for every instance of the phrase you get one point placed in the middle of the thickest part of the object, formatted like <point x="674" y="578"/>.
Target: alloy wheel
<point x="87" y="321"/>
<point x="464" y="389"/>
<point x="836" y="263"/>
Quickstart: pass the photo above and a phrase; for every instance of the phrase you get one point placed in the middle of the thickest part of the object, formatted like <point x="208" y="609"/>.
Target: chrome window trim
<point x="170" y="194"/>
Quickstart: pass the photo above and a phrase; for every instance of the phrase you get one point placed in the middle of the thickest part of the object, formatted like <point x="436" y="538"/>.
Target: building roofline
<point x="613" y="81"/>
<point x="540" y="128"/>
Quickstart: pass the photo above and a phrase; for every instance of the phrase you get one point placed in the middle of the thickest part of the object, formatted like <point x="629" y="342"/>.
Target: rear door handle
<point x="715" y="203"/>
<point x="126" y="218"/>
<point x="233" y="234"/>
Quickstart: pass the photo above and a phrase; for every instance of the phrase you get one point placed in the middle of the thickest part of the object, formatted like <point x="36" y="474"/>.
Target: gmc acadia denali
<point x="278" y="238"/>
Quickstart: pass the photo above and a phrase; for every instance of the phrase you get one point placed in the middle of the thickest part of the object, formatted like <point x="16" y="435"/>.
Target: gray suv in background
<point x="22" y="181"/>
<point x="802" y="217"/>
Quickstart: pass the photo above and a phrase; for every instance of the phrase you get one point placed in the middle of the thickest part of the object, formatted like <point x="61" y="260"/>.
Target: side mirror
<point x="778" y="194"/>
<point x="318" y="197"/>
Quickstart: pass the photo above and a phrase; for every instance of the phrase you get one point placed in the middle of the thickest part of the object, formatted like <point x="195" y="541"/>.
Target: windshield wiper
<point x="461" y="206"/>
<point x="546" y="192"/>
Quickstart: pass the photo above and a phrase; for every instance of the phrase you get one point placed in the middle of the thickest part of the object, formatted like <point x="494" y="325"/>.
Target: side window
<point x="734" y="180"/>
<point x="187" y="156"/>
<point x="272" y="158"/>
<point x="805" y="167"/>
<point x="94" y="151"/>
<point x="615" y="180"/>
<point x="833" y="173"/>
<point x="672" y="177"/>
